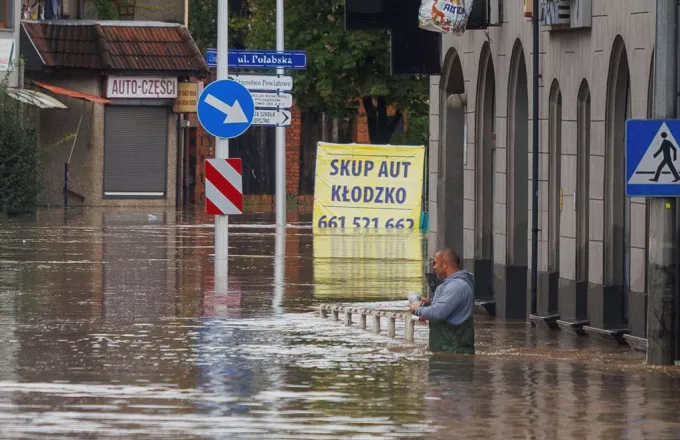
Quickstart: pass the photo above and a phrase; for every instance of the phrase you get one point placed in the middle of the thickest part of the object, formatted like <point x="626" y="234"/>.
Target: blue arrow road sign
<point x="261" y="59"/>
<point x="653" y="158"/>
<point x="225" y="109"/>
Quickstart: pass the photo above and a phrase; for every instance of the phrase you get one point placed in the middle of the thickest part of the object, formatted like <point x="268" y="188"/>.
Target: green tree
<point x="203" y="23"/>
<point x="20" y="159"/>
<point x="343" y="66"/>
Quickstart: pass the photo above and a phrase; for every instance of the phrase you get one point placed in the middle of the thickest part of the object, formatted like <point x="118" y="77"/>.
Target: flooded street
<point x="110" y="327"/>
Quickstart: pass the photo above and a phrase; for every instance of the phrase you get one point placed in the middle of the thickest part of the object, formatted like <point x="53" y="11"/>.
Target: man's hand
<point x="423" y="302"/>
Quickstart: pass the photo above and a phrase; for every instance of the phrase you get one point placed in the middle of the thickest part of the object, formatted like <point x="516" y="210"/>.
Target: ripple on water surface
<point x="110" y="327"/>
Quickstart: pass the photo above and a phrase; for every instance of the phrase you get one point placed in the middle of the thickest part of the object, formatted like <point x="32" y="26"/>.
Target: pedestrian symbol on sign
<point x="659" y="163"/>
<point x="652" y="165"/>
<point x="666" y="148"/>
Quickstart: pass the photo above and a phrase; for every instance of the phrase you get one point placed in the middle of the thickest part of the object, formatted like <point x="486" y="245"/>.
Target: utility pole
<point x="535" y="162"/>
<point x="222" y="150"/>
<point x="662" y="234"/>
<point x="280" y="134"/>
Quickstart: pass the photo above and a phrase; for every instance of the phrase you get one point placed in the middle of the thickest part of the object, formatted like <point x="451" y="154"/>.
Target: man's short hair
<point x="450" y="255"/>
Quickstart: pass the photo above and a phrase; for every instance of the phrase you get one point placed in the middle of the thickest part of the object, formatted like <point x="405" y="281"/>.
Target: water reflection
<point x="112" y="325"/>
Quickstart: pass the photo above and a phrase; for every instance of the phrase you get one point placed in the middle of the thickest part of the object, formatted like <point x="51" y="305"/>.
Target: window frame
<point x="7" y="14"/>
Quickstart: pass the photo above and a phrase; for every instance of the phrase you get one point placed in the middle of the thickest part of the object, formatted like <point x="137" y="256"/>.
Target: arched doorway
<point x="448" y="162"/>
<point x="548" y="292"/>
<point x="583" y="119"/>
<point x="616" y="270"/>
<point x="511" y="299"/>
<point x="484" y="176"/>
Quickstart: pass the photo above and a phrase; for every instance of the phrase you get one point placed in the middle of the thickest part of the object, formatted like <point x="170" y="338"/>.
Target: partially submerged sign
<point x="368" y="186"/>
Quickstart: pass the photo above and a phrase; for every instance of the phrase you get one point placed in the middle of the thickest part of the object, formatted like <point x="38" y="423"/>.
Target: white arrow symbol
<point x="234" y="112"/>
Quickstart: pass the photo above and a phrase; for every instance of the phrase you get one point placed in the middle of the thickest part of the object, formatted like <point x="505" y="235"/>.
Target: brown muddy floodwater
<point x="110" y="328"/>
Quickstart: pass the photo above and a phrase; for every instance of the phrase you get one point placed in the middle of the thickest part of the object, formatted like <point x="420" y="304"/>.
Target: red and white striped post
<point x="223" y="186"/>
<point x="223" y="197"/>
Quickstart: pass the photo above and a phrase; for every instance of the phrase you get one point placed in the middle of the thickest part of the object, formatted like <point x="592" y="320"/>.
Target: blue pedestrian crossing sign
<point x="652" y="158"/>
<point x="225" y="109"/>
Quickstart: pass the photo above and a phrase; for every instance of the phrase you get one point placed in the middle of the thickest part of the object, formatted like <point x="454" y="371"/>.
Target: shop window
<point x="4" y="13"/>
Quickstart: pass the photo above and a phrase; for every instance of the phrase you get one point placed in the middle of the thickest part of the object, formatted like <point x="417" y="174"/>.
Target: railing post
<point x="391" y="324"/>
<point x="322" y="311"/>
<point x="348" y="317"/>
<point x="335" y="314"/>
<point x="362" y="319"/>
<point x="376" y="324"/>
<point x="409" y="327"/>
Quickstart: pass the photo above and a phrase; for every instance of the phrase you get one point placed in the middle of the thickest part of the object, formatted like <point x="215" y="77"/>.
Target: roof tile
<point x="93" y="45"/>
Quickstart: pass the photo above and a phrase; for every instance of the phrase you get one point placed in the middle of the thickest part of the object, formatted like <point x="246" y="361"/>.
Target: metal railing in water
<point x="392" y="317"/>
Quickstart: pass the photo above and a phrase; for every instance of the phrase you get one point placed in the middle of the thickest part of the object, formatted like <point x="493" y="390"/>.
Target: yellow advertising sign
<point x="368" y="186"/>
<point x="187" y="97"/>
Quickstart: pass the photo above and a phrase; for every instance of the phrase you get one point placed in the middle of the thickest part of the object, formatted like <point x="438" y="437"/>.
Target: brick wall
<point x="293" y="153"/>
<point x="204" y="149"/>
<point x="360" y="133"/>
<point x="360" y="129"/>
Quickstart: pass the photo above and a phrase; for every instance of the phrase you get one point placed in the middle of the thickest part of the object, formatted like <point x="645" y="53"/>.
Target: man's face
<point x="440" y="266"/>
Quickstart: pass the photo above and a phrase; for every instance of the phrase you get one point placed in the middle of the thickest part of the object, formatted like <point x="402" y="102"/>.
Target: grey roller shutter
<point x="135" y="151"/>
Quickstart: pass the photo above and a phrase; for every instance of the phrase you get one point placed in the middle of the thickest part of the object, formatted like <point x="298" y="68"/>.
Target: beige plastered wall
<point x="56" y="131"/>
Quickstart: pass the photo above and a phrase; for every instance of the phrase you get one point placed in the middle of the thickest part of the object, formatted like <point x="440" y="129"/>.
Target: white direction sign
<point x="277" y="118"/>
<point x="272" y="100"/>
<point x="271" y="83"/>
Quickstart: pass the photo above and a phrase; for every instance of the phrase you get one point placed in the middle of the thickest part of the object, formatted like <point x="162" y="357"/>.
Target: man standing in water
<point x="450" y="311"/>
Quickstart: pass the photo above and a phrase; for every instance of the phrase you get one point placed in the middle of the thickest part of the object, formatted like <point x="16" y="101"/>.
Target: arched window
<point x="484" y="175"/>
<point x="518" y="166"/>
<point x="617" y="205"/>
<point x="582" y="182"/>
<point x="554" y="176"/>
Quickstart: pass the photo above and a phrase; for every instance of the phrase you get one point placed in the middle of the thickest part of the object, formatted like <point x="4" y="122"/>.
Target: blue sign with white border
<point x="260" y="59"/>
<point x="225" y="109"/>
<point x="652" y="153"/>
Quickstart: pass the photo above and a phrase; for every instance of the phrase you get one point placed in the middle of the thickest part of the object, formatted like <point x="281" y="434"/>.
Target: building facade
<point x="10" y="25"/>
<point x="118" y="138"/>
<point x="595" y="73"/>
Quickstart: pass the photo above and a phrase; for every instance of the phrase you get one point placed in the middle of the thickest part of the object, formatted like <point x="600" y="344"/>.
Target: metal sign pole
<point x="222" y="149"/>
<point x="280" y="134"/>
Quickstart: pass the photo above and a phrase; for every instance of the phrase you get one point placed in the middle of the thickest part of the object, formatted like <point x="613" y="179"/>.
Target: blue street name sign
<point x="652" y="158"/>
<point x="225" y="109"/>
<point x="261" y="59"/>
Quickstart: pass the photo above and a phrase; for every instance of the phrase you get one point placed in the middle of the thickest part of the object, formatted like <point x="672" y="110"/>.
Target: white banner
<point x="6" y="52"/>
<point x="141" y="87"/>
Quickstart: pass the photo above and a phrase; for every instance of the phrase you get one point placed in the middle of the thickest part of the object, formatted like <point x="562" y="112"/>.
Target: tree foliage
<point x="344" y="68"/>
<point x="21" y="164"/>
